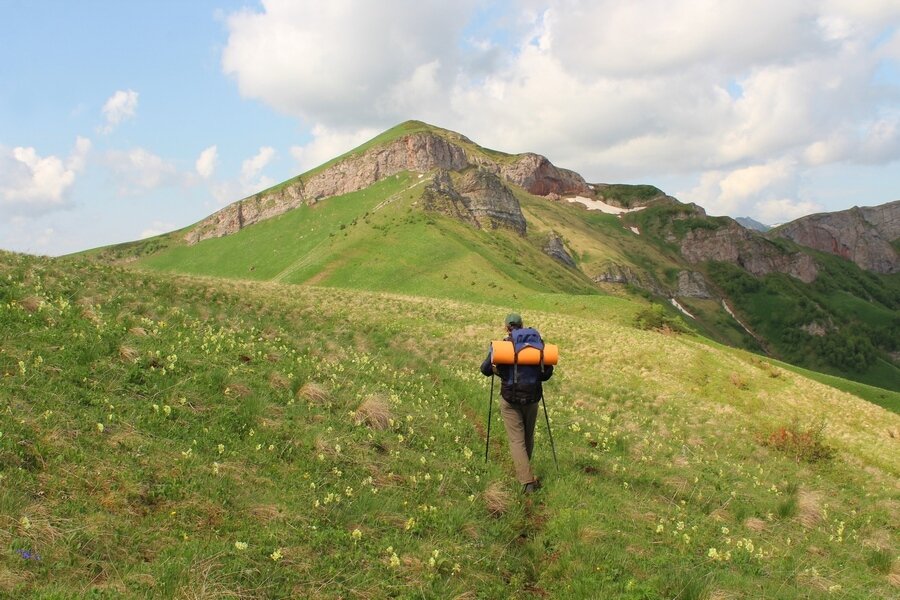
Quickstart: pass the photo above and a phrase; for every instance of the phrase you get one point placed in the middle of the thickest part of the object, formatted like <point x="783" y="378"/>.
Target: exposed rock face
<point x="616" y="273"/>
<point x="418" y="152"/>
<point x="692" y="284"/>
<point x="478" y="197"/>
<point x="863" y="235"/>
<point x="557" y="250"/>
<point x="748" y="250"/>
<point x="814" y="329"/>
<point x="538" y="175"/>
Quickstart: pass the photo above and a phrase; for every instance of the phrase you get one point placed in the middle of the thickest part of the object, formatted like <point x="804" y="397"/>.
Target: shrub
<point x="655" y="317"/>
<point x="805" y="444"/>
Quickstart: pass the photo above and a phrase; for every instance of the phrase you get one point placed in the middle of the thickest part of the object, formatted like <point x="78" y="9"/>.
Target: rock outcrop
<point x="692" y="284"/>
<point x="863" y="235"/>
<point x="746" y="249"/>
<point x="616" y="273"/>
<point x="477" y="197"/>
<point x="555" y="249"/>
<point x="538" y="175"/>
<point x="418" y="152"/>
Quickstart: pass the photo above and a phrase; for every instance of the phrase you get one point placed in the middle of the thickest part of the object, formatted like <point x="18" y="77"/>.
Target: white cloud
<point x="31" y="184"/>
<point x="207" y="162"/>
<point x="735" y="192"/>
<point x="720" y="92"/>
<point x="157" y="228"/>
<point x="138" y="170"/>
<point x="781" y="210"/>
<point x="119" y="107"/>
<point x="327" y="144"/>
<point x="252" y="179"/>
<point x="334" y="62"/>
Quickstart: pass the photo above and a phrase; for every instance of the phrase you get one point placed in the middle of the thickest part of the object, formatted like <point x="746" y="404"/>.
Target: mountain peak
<point x="412" y="146"/>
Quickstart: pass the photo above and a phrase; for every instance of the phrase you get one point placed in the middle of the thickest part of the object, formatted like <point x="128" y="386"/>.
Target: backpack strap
<point x="515" y="365"/>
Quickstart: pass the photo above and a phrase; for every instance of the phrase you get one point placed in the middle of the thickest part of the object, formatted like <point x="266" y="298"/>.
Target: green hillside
<point x="177" y="436"/>
<point x="379" y="238"/>
<point x="374" y="239"/>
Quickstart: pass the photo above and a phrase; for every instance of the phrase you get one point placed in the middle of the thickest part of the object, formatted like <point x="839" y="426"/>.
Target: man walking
<point x="520" y="393"/>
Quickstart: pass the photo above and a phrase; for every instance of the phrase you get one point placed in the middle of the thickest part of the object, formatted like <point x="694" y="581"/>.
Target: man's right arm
<point x="487" y="369"/>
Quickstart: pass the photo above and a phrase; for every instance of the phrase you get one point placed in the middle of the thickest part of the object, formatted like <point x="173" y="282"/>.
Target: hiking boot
<point x="531" y="487"/>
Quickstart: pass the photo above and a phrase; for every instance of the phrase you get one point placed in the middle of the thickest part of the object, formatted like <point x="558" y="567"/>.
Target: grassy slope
<point x="375" y="239"/>
<point x="658" y="440"/>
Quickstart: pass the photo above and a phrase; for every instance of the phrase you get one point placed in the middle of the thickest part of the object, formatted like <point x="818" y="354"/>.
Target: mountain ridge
<point x="430" y="202"/>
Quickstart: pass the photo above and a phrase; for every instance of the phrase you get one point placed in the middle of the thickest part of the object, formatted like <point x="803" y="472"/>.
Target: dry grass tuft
<point x="815" y="580"/>
<point x="809" y="508"/>
<point x="31" y="304"/>
<point x="138" y="331"/>
<point x="496" y="499"/>
<point x="91" y="315"/>
<point x="239" y="390"/>
<point x="738" y="381"/>
<point x="313" y="392"/>
<point x="266" y="512"/>
<point x="374" y="412"/>
<point x="894" y="579"/>
<point x="128" y="354"/>
<point x="721" y="595"/>
<point x="279" y="381"/>
<point x="754" y="524"/>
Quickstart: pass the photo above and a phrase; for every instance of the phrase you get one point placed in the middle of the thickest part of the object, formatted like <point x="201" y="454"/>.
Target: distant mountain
<point x="869" y="236"/>
<point x="426" y="211"/>
<point x="753" y="224"/>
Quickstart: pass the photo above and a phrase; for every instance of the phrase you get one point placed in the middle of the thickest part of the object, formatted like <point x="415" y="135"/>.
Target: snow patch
<point x="680" y="307"/>
<point x="635" y="230"/>
<point x="602" y="206"/>
<point x="730" y="312"/>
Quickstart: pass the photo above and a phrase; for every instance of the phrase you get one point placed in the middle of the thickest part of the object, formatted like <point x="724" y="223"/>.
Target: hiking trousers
<point x="519" y="420"/>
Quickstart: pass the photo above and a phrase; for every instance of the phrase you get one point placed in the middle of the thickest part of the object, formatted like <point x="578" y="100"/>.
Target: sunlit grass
<point x="172" y="436"/>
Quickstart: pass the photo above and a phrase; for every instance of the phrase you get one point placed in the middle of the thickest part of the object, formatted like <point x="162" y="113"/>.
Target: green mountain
<point x="423" y="210"/>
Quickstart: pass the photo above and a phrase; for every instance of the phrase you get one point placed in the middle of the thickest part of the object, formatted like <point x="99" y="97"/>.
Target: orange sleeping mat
<point x="502" y="353"/>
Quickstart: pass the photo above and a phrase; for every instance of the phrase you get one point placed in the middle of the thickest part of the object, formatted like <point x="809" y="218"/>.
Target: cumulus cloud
<point x="781" y="210"/>
<point x="156" y="228"/>
<point x="767" y="192"/>
<point x="32" y="184"/>
<point x="120" y="107"/>
<point x="251" y="178"/>
<point x="207" y="161"/>
<point x="335" y="62"/>
<point x="327" y="144"/>
<point x="618" y="91"/>
<point x="138" y="170"/>
<point x="251" y="169"/>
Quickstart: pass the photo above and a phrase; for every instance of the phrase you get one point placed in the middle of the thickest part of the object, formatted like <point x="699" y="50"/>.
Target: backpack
<point x="526" y="337"/>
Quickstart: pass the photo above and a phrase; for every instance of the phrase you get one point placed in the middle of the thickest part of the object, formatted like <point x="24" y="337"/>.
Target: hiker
<point x="520" y="393"/>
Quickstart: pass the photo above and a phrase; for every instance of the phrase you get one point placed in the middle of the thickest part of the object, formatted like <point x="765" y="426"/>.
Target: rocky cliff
<point x="420" y="152"/>
<point x="538" y="175"/>
<point x="747" y="249"/>
<point x="863" y="235"/>
<point x="477" y="197"/>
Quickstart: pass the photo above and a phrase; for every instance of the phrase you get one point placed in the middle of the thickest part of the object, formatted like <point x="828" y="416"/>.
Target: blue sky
<point x="121" y="120"/>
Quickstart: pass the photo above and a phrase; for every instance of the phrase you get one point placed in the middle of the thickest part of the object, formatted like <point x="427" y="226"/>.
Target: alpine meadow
<point x="283" y="400"/>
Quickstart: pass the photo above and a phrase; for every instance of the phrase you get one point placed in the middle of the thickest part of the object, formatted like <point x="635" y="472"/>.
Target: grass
<point x="181" y="436"/>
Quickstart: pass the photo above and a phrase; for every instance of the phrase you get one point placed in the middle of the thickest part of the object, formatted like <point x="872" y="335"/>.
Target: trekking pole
<point x="490" y="408"/>
<point x="552" y="445"/>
